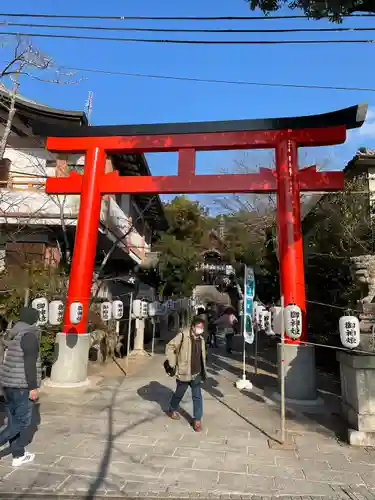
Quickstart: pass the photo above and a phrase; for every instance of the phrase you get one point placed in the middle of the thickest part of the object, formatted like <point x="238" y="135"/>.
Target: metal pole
<point x="282" y="373"/>
<point x="129" y="330"/>
<point x="256" y="351"/>
<point x="244" y="358"/>
<point x="153" y="336"/>
<point x="26" y="297"/>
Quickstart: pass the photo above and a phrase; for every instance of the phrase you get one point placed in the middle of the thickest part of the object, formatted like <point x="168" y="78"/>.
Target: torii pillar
<point x="284" y="135"/>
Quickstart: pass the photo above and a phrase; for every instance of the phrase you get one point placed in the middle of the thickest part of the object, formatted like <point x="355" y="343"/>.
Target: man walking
<point x="20" y="376"/>
<point x="186" y="355"/>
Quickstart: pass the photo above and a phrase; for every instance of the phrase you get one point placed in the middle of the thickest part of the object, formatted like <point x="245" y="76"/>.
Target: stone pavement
<point x="114" y="440"/>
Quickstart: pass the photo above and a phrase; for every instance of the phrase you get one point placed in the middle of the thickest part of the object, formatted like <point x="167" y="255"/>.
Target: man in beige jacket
<point x="186" y="355"/>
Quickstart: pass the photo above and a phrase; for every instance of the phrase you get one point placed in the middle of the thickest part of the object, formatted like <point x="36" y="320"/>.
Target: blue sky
<point x="145" y="100"/>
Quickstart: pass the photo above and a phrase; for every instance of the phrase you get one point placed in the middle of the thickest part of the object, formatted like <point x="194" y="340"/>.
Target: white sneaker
<point x="28" y="457"/>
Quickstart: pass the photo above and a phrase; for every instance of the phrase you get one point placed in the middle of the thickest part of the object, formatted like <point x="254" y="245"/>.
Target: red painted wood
<point x="311" y="180"/>
<point x="289" y="231"/>
<point x="264" y="181"/>
<point x="200" y="142"/>
<point x="286" y="180"/>
<point x="80" y="280"/>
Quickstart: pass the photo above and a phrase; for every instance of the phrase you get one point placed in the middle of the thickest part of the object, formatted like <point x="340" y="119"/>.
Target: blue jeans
<point x="19" y="411"/>
<point x="229" y="341"/>
<point x="196" y="394"/>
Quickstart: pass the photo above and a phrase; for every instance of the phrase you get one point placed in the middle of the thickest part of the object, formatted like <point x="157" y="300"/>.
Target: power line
<point x="186" y="42"/>
<point x="227" y="82"/>
<point x="172" y="18"/>
<point x="183" y="30"/>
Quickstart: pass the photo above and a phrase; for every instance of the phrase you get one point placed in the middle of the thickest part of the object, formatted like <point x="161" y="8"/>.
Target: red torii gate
<point x="285" y="135"/>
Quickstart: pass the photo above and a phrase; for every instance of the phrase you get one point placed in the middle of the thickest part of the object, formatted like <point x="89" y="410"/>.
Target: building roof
<point x="29" y="111"/>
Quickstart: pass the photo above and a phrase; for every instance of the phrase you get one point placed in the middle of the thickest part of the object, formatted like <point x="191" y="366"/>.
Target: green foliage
<point x="179" y="247"/>
<point x="339" y="228"/>
<point x="41" y="282"/>
<point x="316" y="9"/>
<point x="192" y="231"/>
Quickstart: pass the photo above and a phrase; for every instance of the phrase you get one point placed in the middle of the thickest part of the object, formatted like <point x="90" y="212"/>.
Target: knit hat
<point x="29" y="315"/>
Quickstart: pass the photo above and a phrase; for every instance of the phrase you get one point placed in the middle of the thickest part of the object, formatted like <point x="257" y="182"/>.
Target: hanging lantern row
<point x="270" y="321"/>
<point x="53" y="312"/>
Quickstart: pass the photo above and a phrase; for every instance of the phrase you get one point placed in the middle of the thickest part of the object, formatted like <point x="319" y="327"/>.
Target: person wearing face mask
<point x="186" y="356"/>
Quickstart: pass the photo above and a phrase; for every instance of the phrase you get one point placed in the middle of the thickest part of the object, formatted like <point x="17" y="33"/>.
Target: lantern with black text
<point x="76" y="312"/>
<point x="255" y="305"/>
<point x="144" y="309"/>
<point x="349" y="331"/>
<point x="106" y="311"/>
<point x="267" y="323"/>
<point x="117" y="309"/>
<point x="293" y="321"/>
<point x="260" y="310"/>
<point x="56" y="312"/>
<point x="41" y="305"/>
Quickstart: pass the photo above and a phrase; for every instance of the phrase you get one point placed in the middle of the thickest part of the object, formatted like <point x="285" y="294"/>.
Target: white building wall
<point x="25" y="196"/>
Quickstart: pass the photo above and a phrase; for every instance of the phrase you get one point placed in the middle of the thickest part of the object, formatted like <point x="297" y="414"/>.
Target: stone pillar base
<point x="299" y="373"/>
<point x="361" y="438"/>
<point x="71" y="355"/>
<point x="137" y="353"/>
<point x="357" y="375"/>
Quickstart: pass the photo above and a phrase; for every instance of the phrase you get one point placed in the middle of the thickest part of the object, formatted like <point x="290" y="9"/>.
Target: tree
<point x="179" y="248"/>
<point x="316" y="9"/>
<point x="338" y="228"/>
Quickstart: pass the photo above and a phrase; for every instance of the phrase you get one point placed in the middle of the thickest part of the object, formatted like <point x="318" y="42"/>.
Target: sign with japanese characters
<point x="106" y="311"/>
<point x="41" y="305"/>
<point x="349" y="331"/>
<point x="248" y="305"/>
<point x="117" y="309"/>
<point x="76" y="312"/>
<point x="56" y="312"/>
<point x="293" y="321"/>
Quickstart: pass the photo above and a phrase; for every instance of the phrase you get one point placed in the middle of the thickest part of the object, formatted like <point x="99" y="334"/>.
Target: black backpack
<point x="170" y="370"/>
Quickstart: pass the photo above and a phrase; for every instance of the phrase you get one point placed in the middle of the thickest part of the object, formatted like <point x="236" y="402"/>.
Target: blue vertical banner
<point x="249" y="285"/>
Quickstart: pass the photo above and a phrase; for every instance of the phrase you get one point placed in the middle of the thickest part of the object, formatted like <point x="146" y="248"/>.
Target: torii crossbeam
<point x="285" y="135"/>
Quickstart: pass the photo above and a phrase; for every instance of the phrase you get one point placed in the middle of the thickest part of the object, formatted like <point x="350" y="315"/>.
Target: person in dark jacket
<point x="20" y="376"/>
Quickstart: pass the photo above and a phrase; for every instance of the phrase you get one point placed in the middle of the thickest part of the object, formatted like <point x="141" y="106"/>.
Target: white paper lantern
<point x="56" y="312"/>
<point x="255" y="305"/>
<point x="267" y="323"/>
<point x="117" y="309"/>
<point x="76" y="312"/>
<point x="137" y="308"/>
<point x="259" y="319"/>
<point x="276" y="320"/>
<point x="349" y="331"/>
<point x="41" y="305"/>
<point x="293" y="321"/>
<point x="106" y="311"/>
<point x="144" y="309"/>
<point x="153" y="309"/>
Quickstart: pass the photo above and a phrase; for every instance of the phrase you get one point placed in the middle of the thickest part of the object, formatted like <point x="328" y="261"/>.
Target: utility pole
<point x="88" y="106"/>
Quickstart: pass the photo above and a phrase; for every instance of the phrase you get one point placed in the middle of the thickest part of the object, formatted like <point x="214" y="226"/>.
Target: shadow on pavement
<point x="156" y="392"/>
<point x="326" y="422"/>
